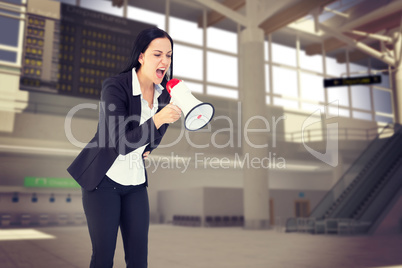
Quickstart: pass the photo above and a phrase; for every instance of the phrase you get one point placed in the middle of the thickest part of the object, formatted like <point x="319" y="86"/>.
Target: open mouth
<point x="160" y="72"/>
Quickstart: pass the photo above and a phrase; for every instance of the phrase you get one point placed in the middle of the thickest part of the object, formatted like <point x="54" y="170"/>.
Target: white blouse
<point x="129" y="169"/>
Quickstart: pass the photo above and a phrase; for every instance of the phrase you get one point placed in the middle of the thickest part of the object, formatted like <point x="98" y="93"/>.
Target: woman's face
<point x="155" y="61"/>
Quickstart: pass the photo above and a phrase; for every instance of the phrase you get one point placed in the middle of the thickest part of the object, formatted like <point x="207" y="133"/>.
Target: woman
<point x="134" y="115"/>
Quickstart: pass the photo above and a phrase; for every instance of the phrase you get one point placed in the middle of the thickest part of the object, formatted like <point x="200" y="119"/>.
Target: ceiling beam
<point x="118" y="3"/>
<point x="355" y="55"/>
<point x="329" y="44"/>
<point x="388" y="17"/>
<point x="214" y="17"/>
<point x="378" y="37"/>
<point x="359" y="45"/>
<point x="224" y="10"/>
<point x="389" y="21"/>
<point x="379" y="14"/>
<point x="291" y="14"/>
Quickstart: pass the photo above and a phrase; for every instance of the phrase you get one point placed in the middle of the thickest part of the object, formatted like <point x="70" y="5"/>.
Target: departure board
<point x="73" y="54"/>
<point x="32" y="70"/>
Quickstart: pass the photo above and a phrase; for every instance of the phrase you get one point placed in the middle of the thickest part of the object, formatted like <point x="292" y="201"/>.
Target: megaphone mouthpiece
<point x="172" y="83"/>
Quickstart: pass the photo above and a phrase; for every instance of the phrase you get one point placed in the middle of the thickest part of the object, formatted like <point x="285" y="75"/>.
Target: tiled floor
<point x="187" y="247"/>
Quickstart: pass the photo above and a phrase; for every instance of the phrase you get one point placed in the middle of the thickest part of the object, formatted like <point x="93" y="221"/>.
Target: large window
<point x="339" y="95"/>
<point x="312" y="63"/>
<point x="146" y="16"/>
<point x="285" y="82"/>
<point x="267" y="78"/>
<point x="383" y="105"/>
<point x="292" y="104"/>
<point x="221" y="91"/>
<point x="102" y="6"/>
<point x="384" y="79"/>
<point x="11" y="32"/>
<point x="312" y="87"/>
<point x="222" y="63"/>
<point x="17" y="2"/>
<point x="382" y="101"/>
<point x="221" y="40"/>
<point x="357" y="69"/>
<point x="195" y="87"/>
<point x="334" y="68"/>
<point x="222" y="69"/>
<point x="283" y="54"/>
<point x="188" y="62"/>
<point x="361" y="97"/>
<point x="297" y="83"/>
<point x="180" y="30"/>
<point x="210" y="65"/>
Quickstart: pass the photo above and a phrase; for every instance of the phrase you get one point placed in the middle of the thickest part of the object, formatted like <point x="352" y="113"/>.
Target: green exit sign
<point x="45" y="182"/>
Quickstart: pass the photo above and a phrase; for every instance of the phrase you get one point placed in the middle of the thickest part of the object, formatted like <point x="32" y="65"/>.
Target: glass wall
<point x="297" y="81"/>
<point x="102" y="6"/>
<point x="185" y="54"/>
<point x="207" y="59"/>
<point x="11" y="32"/>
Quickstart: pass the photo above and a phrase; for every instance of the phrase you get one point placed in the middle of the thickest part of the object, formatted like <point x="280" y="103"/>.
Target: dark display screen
<point x="73" y="55"/>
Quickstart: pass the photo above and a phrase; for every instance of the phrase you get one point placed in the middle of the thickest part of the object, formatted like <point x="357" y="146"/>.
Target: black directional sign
<point x="351" y="81"/>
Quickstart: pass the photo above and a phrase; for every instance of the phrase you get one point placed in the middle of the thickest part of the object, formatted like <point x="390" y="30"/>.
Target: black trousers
<point x="112" y="205"/>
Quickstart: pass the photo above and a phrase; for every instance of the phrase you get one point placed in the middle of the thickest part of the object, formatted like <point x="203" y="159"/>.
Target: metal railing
<point x="313" y="135"/>
<point x="356" y="168"/>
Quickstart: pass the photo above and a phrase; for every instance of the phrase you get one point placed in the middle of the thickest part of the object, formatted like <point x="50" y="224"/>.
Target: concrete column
<point x="254" y="117"/>
<point x="398" y="76"/>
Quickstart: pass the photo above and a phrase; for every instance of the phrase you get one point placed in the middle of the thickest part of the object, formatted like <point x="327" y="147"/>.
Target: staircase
<point x="354" y="204"/>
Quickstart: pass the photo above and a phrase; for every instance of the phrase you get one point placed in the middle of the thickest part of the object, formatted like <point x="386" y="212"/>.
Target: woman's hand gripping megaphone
<point x="169" y="114"/>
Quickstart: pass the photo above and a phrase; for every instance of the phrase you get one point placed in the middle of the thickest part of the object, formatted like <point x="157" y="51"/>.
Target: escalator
<point x="362" y="193"/>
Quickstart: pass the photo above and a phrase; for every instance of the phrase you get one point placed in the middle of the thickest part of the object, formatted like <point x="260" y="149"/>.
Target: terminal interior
<point x="300" y="165"/>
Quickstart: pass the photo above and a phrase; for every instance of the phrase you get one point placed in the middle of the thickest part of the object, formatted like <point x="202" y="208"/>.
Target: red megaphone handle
<point x="173" y="82"/>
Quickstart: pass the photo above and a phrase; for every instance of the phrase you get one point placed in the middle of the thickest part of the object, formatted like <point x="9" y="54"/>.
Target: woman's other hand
<point x="145" y="155"/>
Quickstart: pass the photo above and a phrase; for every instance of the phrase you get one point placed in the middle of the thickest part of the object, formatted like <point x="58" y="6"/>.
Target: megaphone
<point x="197" y="114"/>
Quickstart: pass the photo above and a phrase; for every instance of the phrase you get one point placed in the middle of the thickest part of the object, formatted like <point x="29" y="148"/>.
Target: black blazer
<point x="118" y="131"/>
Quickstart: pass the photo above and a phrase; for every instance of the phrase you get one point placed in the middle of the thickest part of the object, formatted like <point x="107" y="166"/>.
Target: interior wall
<point x="45" y="129"/>
<point x="223" y="201"/>
<point x="228" y="201"/>
<point x="43" y="206"/>
<point x="284" y="202"/>
<point x="170" y="202"/>
<point x="161" y="176"/>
